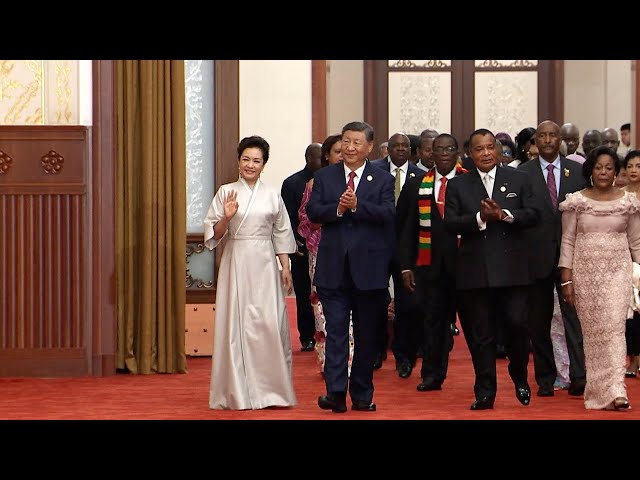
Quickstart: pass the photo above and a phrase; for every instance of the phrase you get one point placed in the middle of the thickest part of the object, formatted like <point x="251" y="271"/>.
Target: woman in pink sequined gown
<point x="330" y="154"/>
<point x="600" y="236"/>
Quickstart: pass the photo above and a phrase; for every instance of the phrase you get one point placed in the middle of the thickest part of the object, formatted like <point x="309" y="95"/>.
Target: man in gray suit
<point x="553" y="176"/>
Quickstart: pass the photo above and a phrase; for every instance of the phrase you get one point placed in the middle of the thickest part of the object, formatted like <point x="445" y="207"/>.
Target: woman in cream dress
<point x="252" y="361"/>
<point x="600" y="236"/>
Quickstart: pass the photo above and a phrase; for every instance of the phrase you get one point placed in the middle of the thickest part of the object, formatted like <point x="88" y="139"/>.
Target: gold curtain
<point x="151" y="215"/>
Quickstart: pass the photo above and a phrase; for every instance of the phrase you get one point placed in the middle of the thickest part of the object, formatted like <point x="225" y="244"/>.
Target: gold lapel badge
<point x="412" y="174"/>
<point x="566" y="172"/>
<point x="503" y="188"/>
<point x="369" y="178"/>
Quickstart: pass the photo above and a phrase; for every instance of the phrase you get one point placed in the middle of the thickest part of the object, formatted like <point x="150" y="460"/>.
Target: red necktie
<point x="551" y="186"/>
<point x="351" y="183"/>
<point x="441" y="193"/>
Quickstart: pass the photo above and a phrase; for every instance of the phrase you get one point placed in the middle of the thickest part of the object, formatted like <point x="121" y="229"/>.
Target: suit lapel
<point x="564" y="179"/>
<point x="477" y="185"/>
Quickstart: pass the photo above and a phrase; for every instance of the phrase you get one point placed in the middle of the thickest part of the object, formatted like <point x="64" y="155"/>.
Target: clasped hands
<point x="348" y="201"/>
<point x="490" y="211"/>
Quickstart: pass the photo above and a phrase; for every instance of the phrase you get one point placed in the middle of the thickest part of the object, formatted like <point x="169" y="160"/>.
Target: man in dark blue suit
<point x="407" y="331"/>
<point x="354" y="203"/>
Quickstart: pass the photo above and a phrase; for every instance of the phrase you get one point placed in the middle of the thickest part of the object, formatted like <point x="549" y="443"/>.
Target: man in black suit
<point x="292" y="191"/>
<point x="427" y="256"/>
<point x="491" y="208"/>
<point x="553" y="176"/>
<point x="353" y="201"/>
<point x="405" y="343"/>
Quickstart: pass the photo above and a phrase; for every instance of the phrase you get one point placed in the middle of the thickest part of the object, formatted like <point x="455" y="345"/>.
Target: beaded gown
<point x="599" y="241"/>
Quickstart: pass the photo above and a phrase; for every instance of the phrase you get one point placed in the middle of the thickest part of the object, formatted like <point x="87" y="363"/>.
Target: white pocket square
<point x="512" y="195"/>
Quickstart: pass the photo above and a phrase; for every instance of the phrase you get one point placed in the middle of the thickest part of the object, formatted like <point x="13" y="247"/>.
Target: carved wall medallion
<point x="5" y="162"/>
<point x="52" y="162"/>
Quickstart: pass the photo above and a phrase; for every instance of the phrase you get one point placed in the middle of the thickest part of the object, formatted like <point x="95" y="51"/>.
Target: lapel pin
<point x="412" y="174"/>
<point x="503" y="188"/>
<point x="369" y="178"/>
<point x="566" y="172"/>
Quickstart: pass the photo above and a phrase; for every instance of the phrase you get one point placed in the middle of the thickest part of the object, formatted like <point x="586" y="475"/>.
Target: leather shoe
<point x="377" y="363"/>
<point x="523" y="394"/>
<point x="363" y="406"/>
<point x="336" y="405"/>
<point x="307" y="346"/>
<point x="484" y="403"/>
<point x="454" y="329"/>
<point x="404" y="369"/>
<point x="576" y="389"/>
<point x="545" y="391"/>
<point x="428" y="386"/>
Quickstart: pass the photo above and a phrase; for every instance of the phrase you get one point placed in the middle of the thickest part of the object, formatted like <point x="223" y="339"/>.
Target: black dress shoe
<point x="523" y="394"/>
<point x="336" y="405"/>
<point x="576" y="389"/>
<point x="363" y="406"/>
<point x="377" y="363"/>
<point x="428" y="386"/>
<point x="307" y="346"/>
<point x="501" y="351"/>
<point x="545" y="391"/>
<point x="404" y="369"/>
<point x="484" y="403"/>
<point x="454" y="329"/>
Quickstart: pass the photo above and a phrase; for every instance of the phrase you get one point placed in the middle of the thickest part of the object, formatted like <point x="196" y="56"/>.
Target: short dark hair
<point x="625" y="126"/>
<point x="360" y="127"/>
<point x="446" y="135"/>
<point x="326" y="148"/>
<point x="254" y="141"/>
<point x="481" y="132"/>
<point x="629" y="156"/>
<point x="414" y="140"/>
<point x="590" y="162"/>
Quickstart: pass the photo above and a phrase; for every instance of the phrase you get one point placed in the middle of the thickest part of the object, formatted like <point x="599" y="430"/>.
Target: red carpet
<point x="186" y="396"/>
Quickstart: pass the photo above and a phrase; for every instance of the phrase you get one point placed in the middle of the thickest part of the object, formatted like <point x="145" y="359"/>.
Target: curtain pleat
<point x="151" y="215"/>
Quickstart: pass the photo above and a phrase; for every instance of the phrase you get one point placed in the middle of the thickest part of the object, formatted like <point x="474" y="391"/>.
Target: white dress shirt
<point x="488" y="185"/>
<point x="356" y="180"/>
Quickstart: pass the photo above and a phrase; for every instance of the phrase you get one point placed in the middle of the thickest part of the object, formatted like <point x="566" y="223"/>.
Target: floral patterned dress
<point x="312" y="233"/>
<point x="599" y="240"/>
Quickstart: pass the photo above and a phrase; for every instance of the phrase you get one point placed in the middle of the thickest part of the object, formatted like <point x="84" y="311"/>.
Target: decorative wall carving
<point x="39" y="92"/>
<point x="52" y="162"/>
<point x="506" y="63"/>
<point x="199" y="275"/>
<point x="419" y="64"/>
<point x="506" y="101"/>
<point x="5" y="162"/>
<point x="419" y="100"/>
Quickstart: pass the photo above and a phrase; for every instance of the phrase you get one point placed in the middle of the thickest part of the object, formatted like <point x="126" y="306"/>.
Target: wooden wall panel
<point x="44" y="247"/>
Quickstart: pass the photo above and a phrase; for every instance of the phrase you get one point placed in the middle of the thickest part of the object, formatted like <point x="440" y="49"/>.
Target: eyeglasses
<point x="449" y="149"/>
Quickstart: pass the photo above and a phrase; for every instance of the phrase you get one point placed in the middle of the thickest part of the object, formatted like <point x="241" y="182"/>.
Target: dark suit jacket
<point x="444" y="244"/>
<point x="544" y="238"/>
<point x="496" y="256"/>
<point x="291" y="192"/>
<point x="412" y="173"/>
<point x="363" y="235"/>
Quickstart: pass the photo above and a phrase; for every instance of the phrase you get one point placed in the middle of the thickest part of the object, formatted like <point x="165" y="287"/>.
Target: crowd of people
<point x="529" y="243"/>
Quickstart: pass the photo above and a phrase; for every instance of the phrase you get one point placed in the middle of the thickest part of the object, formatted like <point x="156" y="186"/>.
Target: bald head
<point x="571" y="136"/>
<point x="312" y="156"/>
<point x="591" y="140"/>
<point x="610" y="138"/>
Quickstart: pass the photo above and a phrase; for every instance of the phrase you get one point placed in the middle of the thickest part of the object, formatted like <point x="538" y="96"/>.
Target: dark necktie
<point x="441" y="196"/>
<point x="551" y="186"/>
<point x="351" y="183"/>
